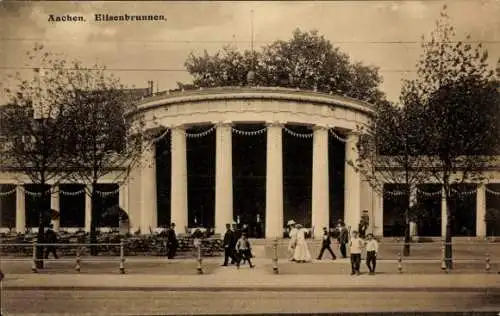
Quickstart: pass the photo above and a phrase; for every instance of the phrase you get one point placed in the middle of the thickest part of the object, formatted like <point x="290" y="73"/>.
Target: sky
<point x="381" y="33"/>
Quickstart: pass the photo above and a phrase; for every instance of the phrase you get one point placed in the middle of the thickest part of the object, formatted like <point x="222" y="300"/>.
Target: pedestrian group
<point x="299" y="252"/>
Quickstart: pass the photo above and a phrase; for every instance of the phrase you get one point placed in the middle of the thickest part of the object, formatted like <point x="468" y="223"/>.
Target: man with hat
<point x="342" y="237"/>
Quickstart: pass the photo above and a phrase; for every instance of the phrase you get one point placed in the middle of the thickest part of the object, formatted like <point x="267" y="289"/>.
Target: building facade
<point x="223" y="113"/>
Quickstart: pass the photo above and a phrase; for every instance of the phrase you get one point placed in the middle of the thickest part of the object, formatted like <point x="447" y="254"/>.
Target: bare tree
<point x="103" y="141"/>
<point x="33" y="129"/>
<point x="457" y="93"/>
<point x="389" y="154"/>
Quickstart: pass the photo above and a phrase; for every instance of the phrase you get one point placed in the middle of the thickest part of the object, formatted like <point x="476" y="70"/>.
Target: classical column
<point x="320" y="177"/>
<point x="148" y="188"/>
<point x="179" y="184"/>
<point x="481" y="210"/>
<point x="352" y="190"/>
<point x="20" y="209"/>
<point x="54" y="204"/>
<point x="123" y="197"/>
<point x="444" y="213"/>
<point x="88" y="207"/>
<point x="274" y="181"/>
<point x="378" y="212"/>
<point x="223" y="177"/>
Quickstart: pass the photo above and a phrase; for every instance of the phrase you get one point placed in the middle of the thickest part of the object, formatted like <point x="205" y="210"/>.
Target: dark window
<point x="37" y="199"/>
<point x="7" y="205"/>
<point x="72" y="205"/>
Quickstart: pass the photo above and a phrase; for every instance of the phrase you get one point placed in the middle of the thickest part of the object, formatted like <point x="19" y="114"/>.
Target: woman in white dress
<point x="292" y="234"/>
<point x="301" y="253"/>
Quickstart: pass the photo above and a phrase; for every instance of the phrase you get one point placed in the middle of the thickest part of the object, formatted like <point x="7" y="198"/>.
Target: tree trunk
<point x="41" y="228"/>
<point x="93" y="221"/>
<point x="407" y="240"/>
<point x="40" y="239"/>
<point x="406" y="248"/>
<point x="448" y="250"/>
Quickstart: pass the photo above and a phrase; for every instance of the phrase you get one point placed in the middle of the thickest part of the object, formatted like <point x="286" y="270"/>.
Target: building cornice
<point x="251" y="93"/>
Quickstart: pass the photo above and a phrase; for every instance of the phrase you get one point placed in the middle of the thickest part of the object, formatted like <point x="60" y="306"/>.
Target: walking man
<point x="325" y="245"/>
<point x="50" y="238"/>
<point x="355" y="249"/>
<point x="371" y="253"/>
<point x="171" y="242"/>
<point x="342" y="237"/>
<point x="229" y="244"/>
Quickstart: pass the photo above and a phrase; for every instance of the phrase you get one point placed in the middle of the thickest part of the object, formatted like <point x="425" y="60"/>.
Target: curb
<point x="252" y="289"/>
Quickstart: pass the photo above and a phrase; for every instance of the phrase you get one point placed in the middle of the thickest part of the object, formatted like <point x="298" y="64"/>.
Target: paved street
<point x="206" y="302"/>
<point x="227" y="290"/>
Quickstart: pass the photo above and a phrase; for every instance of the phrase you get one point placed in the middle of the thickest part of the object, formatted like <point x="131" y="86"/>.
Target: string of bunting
<point x="201" y="134"/>
<point x="157" y="139"/>
<point x="492" y="192"/>
<point x="249" y="133"/>
<point x="334" y="134"/>
<point x="295" y="134"/>
<point x="66" y="193"/>
<point x="7" y="192"/>
<point x="461" y="194"/>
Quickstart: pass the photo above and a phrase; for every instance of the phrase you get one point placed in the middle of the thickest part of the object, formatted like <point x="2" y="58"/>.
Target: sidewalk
<point x="259" y="279"/>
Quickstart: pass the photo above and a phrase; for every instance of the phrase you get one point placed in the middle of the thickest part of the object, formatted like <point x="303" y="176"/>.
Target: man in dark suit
<point x="342" y="237"/>
<point x="171" y="242"/>
<point x="50" y="238"/>
<point x="325" y="245"/>
<point x="229" y="243"/>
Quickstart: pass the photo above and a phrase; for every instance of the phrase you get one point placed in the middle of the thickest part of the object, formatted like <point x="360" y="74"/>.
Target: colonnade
<point x="274" y="220"/>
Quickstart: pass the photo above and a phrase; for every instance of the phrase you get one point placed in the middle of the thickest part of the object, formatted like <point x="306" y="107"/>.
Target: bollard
<point x="488" y="265"/>
<point x="77" y="266"/>
<point x="275" y="257"/>
<point x="122" y="258"/>
<point x="199" y="268"/>
<point x="400" y="263"/>
<point x="33" y="264"/>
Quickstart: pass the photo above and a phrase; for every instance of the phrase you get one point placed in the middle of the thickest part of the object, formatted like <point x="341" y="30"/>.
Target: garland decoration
<point x="201" y="134"/>
<point x="2" y="194"/>
<point x="249" y="133"/>
<point x="295" y="134"/>
<point x="334" y="134"/>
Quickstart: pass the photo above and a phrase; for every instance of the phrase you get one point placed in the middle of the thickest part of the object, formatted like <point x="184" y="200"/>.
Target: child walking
<point x="244" y="251"/>
<point x="371" y="253"/>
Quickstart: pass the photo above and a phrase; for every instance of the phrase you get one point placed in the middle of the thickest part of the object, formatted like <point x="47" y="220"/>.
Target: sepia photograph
<point x="250" y="157"/>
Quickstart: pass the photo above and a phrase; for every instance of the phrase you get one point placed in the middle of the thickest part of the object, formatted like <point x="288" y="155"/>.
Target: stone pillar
<point x="149" y="214"/>
<point x="274" y="181"/>
<point x="481" y="210"/>
<point x="20" y="209"/>
<point x="444" y="217"/>
<point x="223" y="177"/>
<point x="320" y="183"/>
<point x="134" y="197"/>
<point x="179" y="184"/>
<point x="123" y="197"/>
<point x="352" y="193"/>
<point x="54" y="204"/>
<point x="378" y="213"/>
<point x="88" y="207"/>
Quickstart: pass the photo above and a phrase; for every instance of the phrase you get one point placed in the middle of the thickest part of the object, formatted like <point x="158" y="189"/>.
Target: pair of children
<point x="356" y="246"/>
<point x="244" y="251"/>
